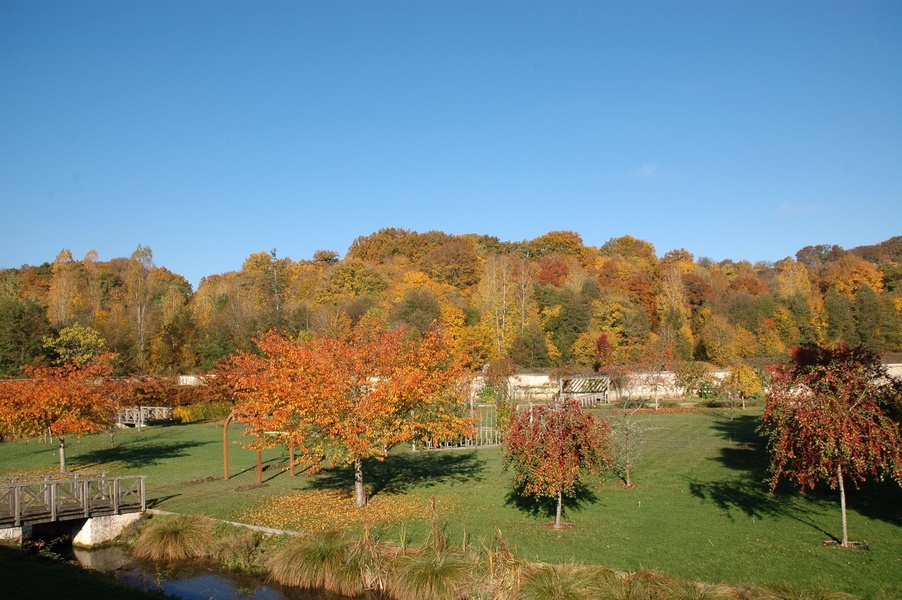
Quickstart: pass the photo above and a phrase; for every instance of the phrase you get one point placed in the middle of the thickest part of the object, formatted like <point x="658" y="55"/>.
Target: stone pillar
<point x="101" y="530"/>
<point x="15" y="534"/>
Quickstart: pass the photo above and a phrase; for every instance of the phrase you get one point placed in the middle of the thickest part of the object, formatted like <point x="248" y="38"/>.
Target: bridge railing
<point x="30" y="500"/>
<point x="139" y="415"/>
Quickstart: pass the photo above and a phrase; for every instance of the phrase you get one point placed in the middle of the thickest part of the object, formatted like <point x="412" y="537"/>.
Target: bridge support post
<point x="102" y="530"/>
<point x="15" y="534"/>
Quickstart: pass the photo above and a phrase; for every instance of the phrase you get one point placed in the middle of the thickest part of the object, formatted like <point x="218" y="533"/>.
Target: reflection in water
<point x="191" y="581"/>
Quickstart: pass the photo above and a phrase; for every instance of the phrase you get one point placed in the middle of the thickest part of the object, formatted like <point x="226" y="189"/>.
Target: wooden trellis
<point x="590" y="390"/>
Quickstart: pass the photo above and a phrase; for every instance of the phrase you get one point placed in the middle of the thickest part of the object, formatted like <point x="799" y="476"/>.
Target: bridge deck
<point x="43" y="499"/>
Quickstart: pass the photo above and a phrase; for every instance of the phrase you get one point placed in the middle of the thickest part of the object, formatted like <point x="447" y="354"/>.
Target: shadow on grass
<point x="135" y="456"/>
<point x="750" y="493"/>
<point x="399" y="473"/>
<point x="547" y="507"/>
<point x="155" y="502"/>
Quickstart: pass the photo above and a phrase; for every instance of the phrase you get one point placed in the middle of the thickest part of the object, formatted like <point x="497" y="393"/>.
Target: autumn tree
<point x="72" y="399"/>
<point x="454" y="262"/>
<point x="340" y="400"/>
<point x="139" y="296"/>
<point x="743" y="383"/>
<point x="824" y="421"/>
<point x="498" y="301"/>
<point x="552" y="447"/>
<point x="60" y="297"/>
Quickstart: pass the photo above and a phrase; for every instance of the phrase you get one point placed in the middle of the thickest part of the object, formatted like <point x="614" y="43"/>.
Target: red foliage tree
<point x="824" y="421"/>
<point x="342" y="400"/>
<point x="552" y="447"/>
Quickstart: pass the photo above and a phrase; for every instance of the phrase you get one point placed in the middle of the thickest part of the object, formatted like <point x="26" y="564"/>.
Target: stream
<point x="190" y="580"/>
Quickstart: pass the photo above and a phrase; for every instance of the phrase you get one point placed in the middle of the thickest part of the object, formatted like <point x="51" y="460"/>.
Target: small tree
<point x="693" y="378"/>
<point x="72" y="399"/>
<point x="628" y="428"/>
<point x="824" y="421"/>
<point x="742" y="384"/>
<point x="552" y="447"/>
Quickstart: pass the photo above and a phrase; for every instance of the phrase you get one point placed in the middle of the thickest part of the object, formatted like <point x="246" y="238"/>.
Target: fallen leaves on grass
<point x="326" y="510"/>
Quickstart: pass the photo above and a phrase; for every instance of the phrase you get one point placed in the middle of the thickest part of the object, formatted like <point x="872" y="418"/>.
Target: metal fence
<point x="487" y="431"/>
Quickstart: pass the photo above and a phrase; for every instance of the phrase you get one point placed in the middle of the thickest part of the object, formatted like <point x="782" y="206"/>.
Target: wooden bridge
<point x="33" y="499"/>
<point x="139" y="415"/>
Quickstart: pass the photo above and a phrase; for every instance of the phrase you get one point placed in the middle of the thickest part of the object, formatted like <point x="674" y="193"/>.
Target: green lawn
<point x="701" y="510"/>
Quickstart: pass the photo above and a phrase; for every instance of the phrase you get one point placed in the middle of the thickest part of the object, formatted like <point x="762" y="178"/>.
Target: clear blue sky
<point x="209" y="130"/>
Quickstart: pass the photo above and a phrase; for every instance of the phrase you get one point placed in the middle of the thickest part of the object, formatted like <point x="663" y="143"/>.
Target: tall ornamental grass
<point x="173" y="538"/>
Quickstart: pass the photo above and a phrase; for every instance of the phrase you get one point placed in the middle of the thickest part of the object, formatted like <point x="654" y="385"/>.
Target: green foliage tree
<point x="529" y="349"/>
<point x="419" y="309"/>
<point x="23" y="326"/>
<point x="75" y="344"/>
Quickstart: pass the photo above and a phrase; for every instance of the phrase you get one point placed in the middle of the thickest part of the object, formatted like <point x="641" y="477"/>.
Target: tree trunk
<point x="557" y="516"/>
<point x="626" y="477"/>
<point x="842" y="504"/>
<point x="62" y="454"/>
<point x="359" y="492"/>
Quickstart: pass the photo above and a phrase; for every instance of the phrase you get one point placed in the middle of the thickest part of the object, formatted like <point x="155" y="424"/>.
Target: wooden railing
<point x="27" y="500"/>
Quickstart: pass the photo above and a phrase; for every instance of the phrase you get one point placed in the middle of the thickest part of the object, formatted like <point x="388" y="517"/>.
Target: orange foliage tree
<point x="340" y="400"/>
<point x="72" y="399"/>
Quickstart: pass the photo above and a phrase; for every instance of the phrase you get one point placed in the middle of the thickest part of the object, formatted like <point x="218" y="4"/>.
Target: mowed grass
<point x="701" y="511"/>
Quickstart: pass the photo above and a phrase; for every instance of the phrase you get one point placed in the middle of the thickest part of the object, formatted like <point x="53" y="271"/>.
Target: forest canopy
<point x="550" y="302"/>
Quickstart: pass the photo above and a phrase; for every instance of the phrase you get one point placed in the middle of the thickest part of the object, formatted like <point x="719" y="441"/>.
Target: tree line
<point x="550" y="302"/>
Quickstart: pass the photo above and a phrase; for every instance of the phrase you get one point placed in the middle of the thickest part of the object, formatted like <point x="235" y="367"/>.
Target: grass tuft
<point x="429" y="575"/>
<point x="237" y="550"/>
<point x="557" y="582"/>
<point x="319" y="562"/>
<point x="173" y="538"/>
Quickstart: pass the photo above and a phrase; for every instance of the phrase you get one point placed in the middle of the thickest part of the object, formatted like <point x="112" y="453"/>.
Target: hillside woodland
<point x="548" y="303"/>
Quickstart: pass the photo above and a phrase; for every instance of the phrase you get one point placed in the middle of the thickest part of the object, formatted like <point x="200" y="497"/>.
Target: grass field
<point x="701" y="510"/>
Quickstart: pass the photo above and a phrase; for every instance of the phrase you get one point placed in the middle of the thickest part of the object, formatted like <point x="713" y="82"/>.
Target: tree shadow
<point x="544" y="506"/>
<point x="750" y="493"/>
<point x="399" y="473"/>
<point x="157" y="501"/>
<point x="272" y="468"/>
<point x="135" y="456"/>
<point x="877" y="499"/>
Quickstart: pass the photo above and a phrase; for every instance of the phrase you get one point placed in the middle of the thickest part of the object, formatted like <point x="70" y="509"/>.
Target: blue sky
<point x="212" y="130"/>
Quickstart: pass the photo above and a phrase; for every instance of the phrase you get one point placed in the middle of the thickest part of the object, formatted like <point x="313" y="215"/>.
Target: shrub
<point x="177" y="537"/>
<point x="194" y="413"/>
